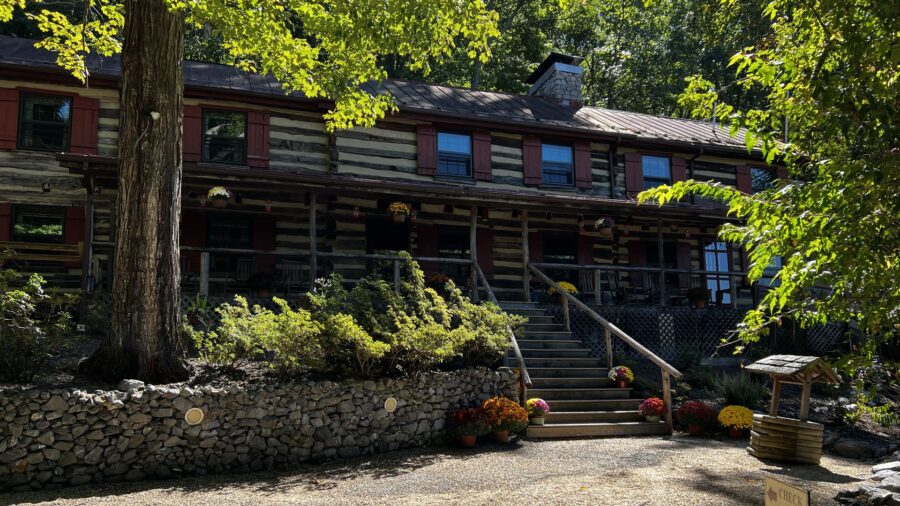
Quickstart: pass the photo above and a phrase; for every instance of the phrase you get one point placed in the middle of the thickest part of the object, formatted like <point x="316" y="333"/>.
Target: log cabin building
<point x="512" y="184"/>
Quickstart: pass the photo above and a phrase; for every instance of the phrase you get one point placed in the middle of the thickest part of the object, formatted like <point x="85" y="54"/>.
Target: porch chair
<point x="586" y="284"/>
<point x="290" y="275"/>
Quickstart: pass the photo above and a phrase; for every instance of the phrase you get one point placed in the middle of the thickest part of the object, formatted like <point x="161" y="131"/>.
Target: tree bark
<point x="145" y="340"/>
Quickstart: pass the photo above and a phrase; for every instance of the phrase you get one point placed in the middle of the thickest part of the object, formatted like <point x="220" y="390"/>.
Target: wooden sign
<point x="779" y="493"/>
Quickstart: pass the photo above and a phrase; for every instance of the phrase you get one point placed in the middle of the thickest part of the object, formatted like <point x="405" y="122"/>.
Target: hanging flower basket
<point x="218" y="195"/>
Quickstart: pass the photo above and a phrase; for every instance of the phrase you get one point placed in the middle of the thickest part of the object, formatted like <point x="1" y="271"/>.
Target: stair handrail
<point x="609" y="328"/>
<point x="523" y="371"/>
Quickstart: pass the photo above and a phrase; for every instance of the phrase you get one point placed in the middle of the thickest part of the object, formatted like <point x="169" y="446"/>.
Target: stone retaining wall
<point x="53" y="438"/>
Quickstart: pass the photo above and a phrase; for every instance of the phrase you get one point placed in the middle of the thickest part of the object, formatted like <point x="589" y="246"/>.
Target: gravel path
<point x="629" y="471"/>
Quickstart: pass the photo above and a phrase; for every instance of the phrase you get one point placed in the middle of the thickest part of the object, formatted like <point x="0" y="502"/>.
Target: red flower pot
<point x="501" y="436"/>
<point x="466" y="441"/>
<point x="737" y="433"/>
<point x="622" y="383"/>
<point x="695" y="429"/>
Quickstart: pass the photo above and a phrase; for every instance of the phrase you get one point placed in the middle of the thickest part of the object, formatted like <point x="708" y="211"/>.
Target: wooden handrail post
<point x="397" y="275"/>
<point x="204" y="274"/>
<point x="313" y="239"/>
<point x="598" y="293"/>
<point x="565" y="311"/>
<point x="607" y="336"/>
<point x="667" y="399"/>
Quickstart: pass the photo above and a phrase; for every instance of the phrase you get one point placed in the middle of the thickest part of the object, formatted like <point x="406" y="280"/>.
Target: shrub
<point x="654" y="406"/>
<point x="469" y="422"/>
<point x="348" y="346"/>
<point x="695" y="413"/>
<point x="741" y="390"/>
<point x="690" y="363"/>
<point x="737" y="417"/>
<point x="33" y="324"/>
<point x="505" y="414"/>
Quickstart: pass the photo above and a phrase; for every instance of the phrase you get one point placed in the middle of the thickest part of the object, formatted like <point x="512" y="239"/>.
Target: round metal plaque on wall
<point x="194" y="416"/>
<point x="390" y="404"/>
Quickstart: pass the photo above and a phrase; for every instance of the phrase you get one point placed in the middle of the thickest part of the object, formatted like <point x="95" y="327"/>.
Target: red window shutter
<point x="426" y="149"/>
<point x="5" y="221"/>
<point x="683" y="259"/>
<point x="481" y="156"/>
<point x="190" y="135"/>
<point x="781" y="173"/>
<point x="634" y="173"/>
<point x="73" y="231"/>
<point x="428" y="245"/>
<point x="585" y="250"/>
<point x="258" y="139"/>
<point x="85" y="117"/>
<point x="535" y="247"/>
<point x="263" y="239"/>
<point x="531" y="160"/>
<point x="743" y="181"/>
<point x="583" y="177"/>
<point x="637" y="257"/>
<point x="193" y="234"/>
<point x="484" y="251"/>
<point x="679" y="169"/>
<point x="9" y="118"/>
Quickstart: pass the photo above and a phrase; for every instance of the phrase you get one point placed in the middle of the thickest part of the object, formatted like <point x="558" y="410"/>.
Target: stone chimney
<point x="558" y="78"/>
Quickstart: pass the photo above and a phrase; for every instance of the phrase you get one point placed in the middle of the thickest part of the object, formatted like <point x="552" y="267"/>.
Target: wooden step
<point x="556" y="344"/>
<point x="512" y="304"/>
<point x="569" y="394"/>
<point x="558" y="417"/>
<point x="571" y="382"/>
<point x="548" y="362"/>
<point x="596" y="429"/>
<point x="567" y="372"/>
<point x="554" y="352"/>
<point x="540" y="319"/>
<point x="544" y="327"/>
<point x="592" y="405"/>
<point x="561" y="334"/>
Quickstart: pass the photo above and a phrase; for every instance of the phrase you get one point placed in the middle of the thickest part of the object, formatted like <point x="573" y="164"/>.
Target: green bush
<point x="741" y="390"/>
<point x="33" y="324"/>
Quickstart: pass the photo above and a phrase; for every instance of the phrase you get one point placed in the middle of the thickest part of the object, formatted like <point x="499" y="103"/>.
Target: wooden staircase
<point x="584" y="402"/>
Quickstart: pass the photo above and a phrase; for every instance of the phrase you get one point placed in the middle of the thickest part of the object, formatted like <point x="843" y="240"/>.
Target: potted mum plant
<point x="696" y="416"/>
<point x="737" y="419"/>
<point x="622" y="375"/>
<point x="652" y="409"/>
<point x="466" y="424"/>
<point x="399" y="211"/>
<point x="218" y="195"/>
<point x="537" y="409"/>
<point x="506" y="417"/>
<point x="564" y="286"/>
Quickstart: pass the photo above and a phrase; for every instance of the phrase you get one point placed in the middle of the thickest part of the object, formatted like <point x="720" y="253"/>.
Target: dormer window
<point x="656" y="170"/>
<point x="556" y="164"/>
<point x="224" y="137"/>
<point x="45" y="122"/>
<point x="454" y="154"/>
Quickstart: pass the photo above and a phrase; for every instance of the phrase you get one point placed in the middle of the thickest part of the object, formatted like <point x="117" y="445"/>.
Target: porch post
<point x="87" y="249"/>
<point x="473" y="244"/>
<point x="662" y="262"/>
<point x="312" y="242"/>
<point x="204" y="273"/>
<point x="526" y="276"/>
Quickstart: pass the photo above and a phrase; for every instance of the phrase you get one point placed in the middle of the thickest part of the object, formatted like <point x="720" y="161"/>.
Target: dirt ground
<point x="677" y="470"/>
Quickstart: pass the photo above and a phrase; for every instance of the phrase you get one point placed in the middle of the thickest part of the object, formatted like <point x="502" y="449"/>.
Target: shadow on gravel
<point x="303" y="477"/>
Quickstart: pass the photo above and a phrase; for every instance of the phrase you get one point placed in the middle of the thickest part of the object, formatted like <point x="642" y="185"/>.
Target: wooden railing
<point x="608" y="331"/>
<point x="525" y="379"/>
<point x="41" y="252"/>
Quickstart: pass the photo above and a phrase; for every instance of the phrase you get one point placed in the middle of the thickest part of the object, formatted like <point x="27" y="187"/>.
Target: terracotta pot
<point x="622" y="383"/>
<point x="466" y="441"/>
<point x="501" y="436"/>
<point x="220" y="203"/>
<point x="652" y="418"/>
<point x="737" y="433"/>
<point x="696" y="430"/>
<point x="399" y="218"/>
<point x="537" y="420"/>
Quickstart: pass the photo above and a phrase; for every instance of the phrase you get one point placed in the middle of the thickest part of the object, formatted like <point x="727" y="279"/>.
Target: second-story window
<point x="761" y="179"/>
<point x="656" y="171"/>
<point x="454" y="154"/>
<point x="224" y="137"/>
<point x="44" y="122"/>
<point x="556" y="164"/>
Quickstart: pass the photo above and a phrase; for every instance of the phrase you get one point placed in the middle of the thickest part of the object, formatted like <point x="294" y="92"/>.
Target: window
<point x="656" y="171"/>
<point x="556" y="164"/>
<point x="670" y="260"/>
<point x="715" y="256"/>
<point x="768" y="278"/>
<point x="224" y="137"/>
<point x="44" y="122"/>
<point x="38" y="223"/>
<point x="454" y="155"/>
<point x="227" y="232"/>
<point x="453" y="242"/>
<point x="761" y="179"/>
<point x="561" y="249"/>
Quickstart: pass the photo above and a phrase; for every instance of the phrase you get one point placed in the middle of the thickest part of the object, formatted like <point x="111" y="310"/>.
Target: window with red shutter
<point x="583" y="176"/>
<point x="5" y="221"/>
<point x="193" y="233"/>
<point x="535" y="247"/>
<point x="637" y="257"/>
<point x="426" y="240"/>
<point x="190" y="134"/>
<point x="74" y="229"/>
<point x="481" y="155"/>
<point x="85" y="124"/>
<point x="531" y="160"/>
<point x="258" y="139"/>
<point x="9" y="115"/>
<point x="585" y="250"/>
<point x="743" y="182"/>
<point x="426" y="149"/>
<point x="679" y="169"/>
<point x="263" y="239"/>
<point x="634" y="174"/>
<point x="484" y="241"/>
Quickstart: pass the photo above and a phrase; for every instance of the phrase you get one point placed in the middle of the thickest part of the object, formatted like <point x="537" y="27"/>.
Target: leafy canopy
<point x="830" y="74"/>
<point x="322" y="48"/>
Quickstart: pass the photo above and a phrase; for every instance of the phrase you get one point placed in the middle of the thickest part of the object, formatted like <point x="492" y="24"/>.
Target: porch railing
<point x="608" y="331"/>
<point x="524" y="378"/>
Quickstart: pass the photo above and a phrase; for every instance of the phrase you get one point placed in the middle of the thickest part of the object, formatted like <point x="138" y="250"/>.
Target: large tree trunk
<point x="145" y="340"/>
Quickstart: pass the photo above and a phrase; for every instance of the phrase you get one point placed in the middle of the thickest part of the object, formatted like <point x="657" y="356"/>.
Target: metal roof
<point x="410" y="96"/>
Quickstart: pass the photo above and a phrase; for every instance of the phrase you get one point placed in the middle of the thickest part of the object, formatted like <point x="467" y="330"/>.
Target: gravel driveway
<point x="628" y="471"/>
